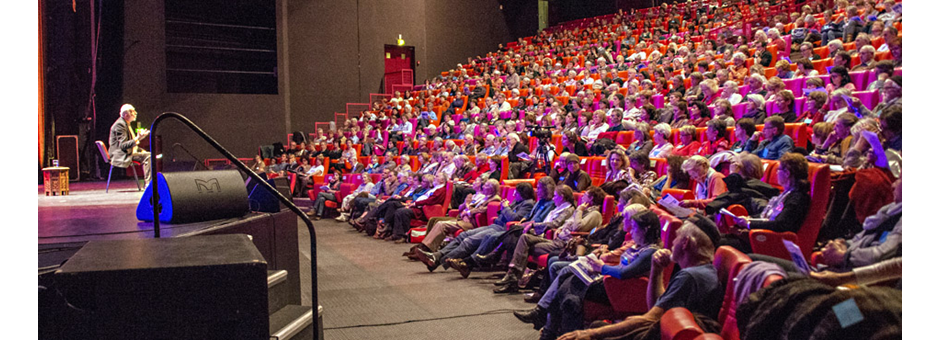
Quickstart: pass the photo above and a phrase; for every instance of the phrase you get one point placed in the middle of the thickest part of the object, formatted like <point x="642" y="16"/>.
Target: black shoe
<point x="486" y="259"/>
<point x="535" y="297"/>
<point x="410" y="252"/>
<point x="511" y="287"/>
<point x="536" y="316"/>
<point x="427" y="258"/>
<point x="510" y="277"/>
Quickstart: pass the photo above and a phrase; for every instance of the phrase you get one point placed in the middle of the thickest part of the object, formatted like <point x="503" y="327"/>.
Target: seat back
<point x="624" y="138"/>
<point x="769" y="243"/>
<point x="596" y="167"/>
<point x="103" y="149"/>
<point x="728" y="262"/>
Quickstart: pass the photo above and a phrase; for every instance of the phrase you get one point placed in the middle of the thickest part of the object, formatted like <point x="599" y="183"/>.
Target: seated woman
<point x="560" y="309"/>
<point x="804" y="68"/>
<point x="401" y="218"/>
<point x="306" y="178"/>
<point x="641" y="139"/>
<point x="744" y="128"/>
<point x="755" y="107"/>
<point x="786" y="106"/>
<point x="587" y="216"/>
<point x="815" y="112"/>
<point x="680" y="114"/>
<point x="327" y="194"/>
<point x="675" y="178"/>
<point x="709" y="183"/>
<point x="716" y="134"/>
<point x="833" y="148"/>
<point x="839" y="79"/>
<point x="699" y="115"/>
<point x="785" y="212"/>
<point x="643" y="175"/>
<point x="723" y="111"/>
<point x="688" y="145"/>
<point x="662" y="148"/>
<point x="729" y="92"/>
<point x="346" y="205"/>
<point x="619" y="173"/>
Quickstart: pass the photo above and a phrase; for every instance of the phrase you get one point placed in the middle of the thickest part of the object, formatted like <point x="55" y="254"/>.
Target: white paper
<point x="672" y="204"/>
<point x="797" y="256"/>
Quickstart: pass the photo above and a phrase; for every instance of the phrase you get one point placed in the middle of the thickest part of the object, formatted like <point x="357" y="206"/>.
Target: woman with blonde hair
<point x="662" y="147"/>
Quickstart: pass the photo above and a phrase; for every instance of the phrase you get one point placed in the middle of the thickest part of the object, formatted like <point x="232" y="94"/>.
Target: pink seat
<point x="658" y="101"/>
<point x="868" y="98"/>
<point x="798" y="104"/>
<point x="859" y="78"/>
<point x="795" y="84"/>
<point x="739" y="110"/>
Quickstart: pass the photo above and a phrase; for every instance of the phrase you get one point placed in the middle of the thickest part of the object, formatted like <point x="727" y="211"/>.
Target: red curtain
<point x="42" y="131"/>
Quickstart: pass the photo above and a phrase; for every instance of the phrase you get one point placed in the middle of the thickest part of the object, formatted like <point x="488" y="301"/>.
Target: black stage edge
<point x="274" y="234"/>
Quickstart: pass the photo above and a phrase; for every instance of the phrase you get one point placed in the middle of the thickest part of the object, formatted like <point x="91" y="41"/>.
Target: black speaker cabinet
<point x="200" y="287"/>
<point x="196" y="196"/>
<point x="66" y="150"/>
<point x="260" y="199"/>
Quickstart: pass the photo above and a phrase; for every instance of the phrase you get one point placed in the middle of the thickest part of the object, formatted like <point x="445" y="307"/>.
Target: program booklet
<point x="582" y="268"/>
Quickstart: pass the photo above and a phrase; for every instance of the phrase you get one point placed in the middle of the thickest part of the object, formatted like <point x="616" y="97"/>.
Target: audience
<point x="696" y="90"/>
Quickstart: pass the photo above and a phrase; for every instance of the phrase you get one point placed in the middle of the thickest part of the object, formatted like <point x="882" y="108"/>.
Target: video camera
<point x="539" y="132"/>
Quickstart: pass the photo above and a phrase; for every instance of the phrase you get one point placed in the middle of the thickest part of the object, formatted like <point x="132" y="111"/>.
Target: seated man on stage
<point x="123" y="142"/>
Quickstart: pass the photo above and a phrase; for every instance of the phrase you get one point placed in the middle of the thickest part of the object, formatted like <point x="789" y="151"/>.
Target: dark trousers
<point x="322" y="197"/>
<point x="401" y="221"/>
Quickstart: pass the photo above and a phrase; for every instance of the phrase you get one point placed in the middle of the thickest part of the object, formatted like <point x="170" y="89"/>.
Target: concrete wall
<point x="329" y="53"/>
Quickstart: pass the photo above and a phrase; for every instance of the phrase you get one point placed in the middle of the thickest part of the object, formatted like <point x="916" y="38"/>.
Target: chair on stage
<point x="107" y="158"/>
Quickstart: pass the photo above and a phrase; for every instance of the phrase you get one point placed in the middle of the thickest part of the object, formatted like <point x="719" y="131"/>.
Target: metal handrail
<point x="155" y="200"/>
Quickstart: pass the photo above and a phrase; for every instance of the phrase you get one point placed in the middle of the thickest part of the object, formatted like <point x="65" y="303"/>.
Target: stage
<point x="367" y="290"/>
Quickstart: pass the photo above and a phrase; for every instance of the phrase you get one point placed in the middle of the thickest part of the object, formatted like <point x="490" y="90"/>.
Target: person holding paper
<point x="559" y="309"/>
<point x="695" y="287"/>
<point x="785" y="212"/>
<point x="585" y="217"/>
<point x="517" y="156"/>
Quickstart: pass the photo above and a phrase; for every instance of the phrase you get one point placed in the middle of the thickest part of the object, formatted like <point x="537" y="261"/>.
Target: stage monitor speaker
<point x="261" y="200"/>
<point x="196" y="196"/>
<point x="66" y="150"/>
<point x="198" y="287"/>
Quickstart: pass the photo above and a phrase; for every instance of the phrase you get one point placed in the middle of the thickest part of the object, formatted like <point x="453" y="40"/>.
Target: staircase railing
<point x="264" y="184"/>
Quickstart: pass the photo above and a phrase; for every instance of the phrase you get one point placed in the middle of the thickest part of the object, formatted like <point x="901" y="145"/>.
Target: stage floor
<point x="367" y="289"/>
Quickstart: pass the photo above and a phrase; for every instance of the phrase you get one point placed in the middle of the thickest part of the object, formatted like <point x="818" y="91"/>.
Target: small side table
<point x="55" y="180"/>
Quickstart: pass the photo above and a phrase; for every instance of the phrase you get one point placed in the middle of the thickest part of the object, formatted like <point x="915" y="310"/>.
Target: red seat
<point x="624" y="138"/>
<point x="596" y="169"/>
<point x="679" y="324"/>
<point x="770" y="243"/>
<point x="868" y="98"/>
<point x="436" y="210"/>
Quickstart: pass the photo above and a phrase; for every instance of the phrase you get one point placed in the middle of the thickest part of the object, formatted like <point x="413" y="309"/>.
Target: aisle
<point x="366" y="282"/>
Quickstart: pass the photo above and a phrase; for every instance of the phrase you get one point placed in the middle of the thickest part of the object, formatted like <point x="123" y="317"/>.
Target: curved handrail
<point x="155" y="200"/>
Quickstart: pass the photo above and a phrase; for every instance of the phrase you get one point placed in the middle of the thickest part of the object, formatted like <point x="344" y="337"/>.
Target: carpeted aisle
<point x="367" y="282"/>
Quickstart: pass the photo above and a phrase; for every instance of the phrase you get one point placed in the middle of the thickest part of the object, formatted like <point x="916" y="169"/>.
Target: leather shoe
<point x="485" y="259"/>
<point x="428" y="259"/>
<point x="460" y="266"/>
<point x="534" y="298"/>
<point x="508" y="288"/>
<point x="510" y="277"/>
<point x="535" y="316"/>
<point x="401" y="240"/>
<point x="410" y="251"/>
